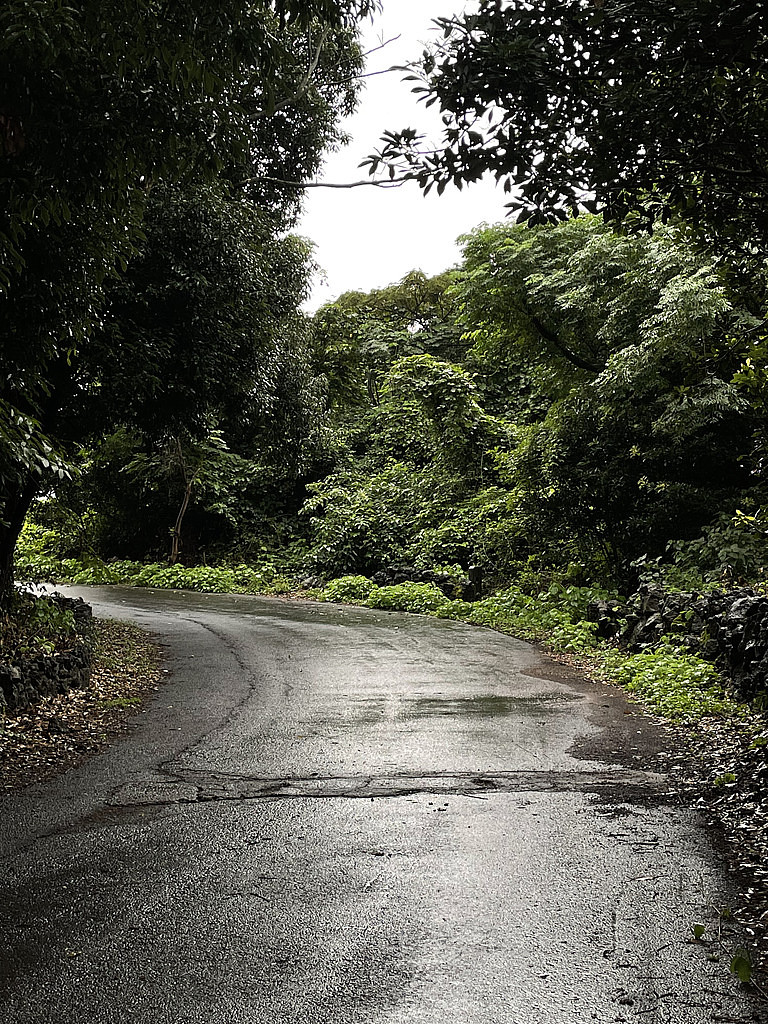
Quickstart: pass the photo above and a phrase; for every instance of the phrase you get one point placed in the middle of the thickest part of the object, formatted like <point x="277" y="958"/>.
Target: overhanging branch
<point x="388" y="183"/>
<point x="303" y="85"/>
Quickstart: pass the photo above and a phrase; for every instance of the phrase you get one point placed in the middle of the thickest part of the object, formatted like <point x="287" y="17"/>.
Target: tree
<point x="195" y="327"/>
<point x="404" y="467"/>
<point x="635" y="341"/>
<point x="201" y="468"/>
<point x="206" y="319"/>
<point x="633" y="107"/>
<point x="358" y="337"/>
<point x="101" y="106"/>
<point x="570" y="295"/>
<point x="446" y="396"/>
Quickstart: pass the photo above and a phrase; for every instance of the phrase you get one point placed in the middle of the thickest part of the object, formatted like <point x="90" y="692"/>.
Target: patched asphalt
<point x="333" y="814"/>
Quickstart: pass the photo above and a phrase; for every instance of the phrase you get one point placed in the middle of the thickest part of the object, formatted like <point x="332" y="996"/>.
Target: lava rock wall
<point x="43" y="675"/>
<point x="729" y="628"/>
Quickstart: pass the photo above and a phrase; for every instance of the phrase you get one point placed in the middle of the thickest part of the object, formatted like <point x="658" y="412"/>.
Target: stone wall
<point x="729" y="628"/>
<point x="28" y="680"/>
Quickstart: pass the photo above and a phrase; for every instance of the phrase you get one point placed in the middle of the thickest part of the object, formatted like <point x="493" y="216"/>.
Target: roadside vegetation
<point x="575" y="415"/>
<point x="666" y="678"/>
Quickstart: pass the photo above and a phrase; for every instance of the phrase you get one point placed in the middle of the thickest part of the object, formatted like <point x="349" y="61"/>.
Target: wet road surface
<point x="337" y="815"/>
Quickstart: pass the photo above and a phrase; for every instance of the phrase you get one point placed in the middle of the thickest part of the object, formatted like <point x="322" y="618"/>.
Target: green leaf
<point x="741" y="965"/>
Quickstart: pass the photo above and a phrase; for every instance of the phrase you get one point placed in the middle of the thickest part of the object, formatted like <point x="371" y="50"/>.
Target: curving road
<point x="337" y="815"/>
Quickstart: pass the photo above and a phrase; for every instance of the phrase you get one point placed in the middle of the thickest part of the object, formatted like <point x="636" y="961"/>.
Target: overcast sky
<point x="369" y="237"/>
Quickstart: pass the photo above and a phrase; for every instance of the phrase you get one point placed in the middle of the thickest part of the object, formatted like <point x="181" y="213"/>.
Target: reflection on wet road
<point x="401" y="709"/>
<point x="336" y="815"/>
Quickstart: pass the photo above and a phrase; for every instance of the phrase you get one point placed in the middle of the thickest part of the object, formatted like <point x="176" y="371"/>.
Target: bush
<point x="455" y="610"/>
<point x="556" y="615"/>
<point x="730" y="548"/>
<point x="361" y="521"/>
<point x="668" y="680"/>
<point x="349" y="590"/>
<point x="241" y="579"/>
<point x="35" y="625"/>
<point x="421" y="598"/>
<point x="671" y="683"/>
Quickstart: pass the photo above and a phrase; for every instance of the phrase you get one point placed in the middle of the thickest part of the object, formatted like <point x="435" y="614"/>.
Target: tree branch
<point x="303" y="84"/>
<point x="381" y="45"/>
<point x="552" y="338"/>
<point x="367" y="74"/>
<point x="389" y="183"/>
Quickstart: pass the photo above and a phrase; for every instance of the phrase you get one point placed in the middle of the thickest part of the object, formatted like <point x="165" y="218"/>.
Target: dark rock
<point x="311" y="583"/>
<point x="729" y="629"/>
<point x="744" y="607"/>
<point x="609" y="616"/>
<point x="473" y="591"/>
<point x="30" y="679"/>
<point x="82" y="612"/>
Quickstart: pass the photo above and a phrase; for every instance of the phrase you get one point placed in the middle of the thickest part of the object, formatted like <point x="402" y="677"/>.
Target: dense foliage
<point x="637" y="107"/>
<point x="594" y="413"/>
<point x="120" y="124"/>
<point x="568" y="404"/>
<point x="576" y="410"/>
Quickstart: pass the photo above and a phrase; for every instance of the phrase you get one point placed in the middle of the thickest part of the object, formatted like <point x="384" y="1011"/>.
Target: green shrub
<point x="360" y="521"/>
<point x="92" y="575"/>
<point x="671" y="683"/>
<point x="34" y="625"/>
<point x="556" y="615"/>
<point x="242" y="579"/>
<point x="730" y="548"/>
<point x="457" y="609"/>
<point x="349" y="590"/>
<point x="451" y="579"/>
<point x="422" y="598"/>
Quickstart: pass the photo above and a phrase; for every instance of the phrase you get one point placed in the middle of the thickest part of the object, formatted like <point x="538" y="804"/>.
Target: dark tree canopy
<point x="632" y="106"/>
<point x="102" y="105"/>
<point x="101" y="102"/>
<point x="195" y="326"/>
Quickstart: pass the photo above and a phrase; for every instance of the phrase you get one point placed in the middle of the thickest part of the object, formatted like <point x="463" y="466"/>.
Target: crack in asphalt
<point x="203" y="787"/>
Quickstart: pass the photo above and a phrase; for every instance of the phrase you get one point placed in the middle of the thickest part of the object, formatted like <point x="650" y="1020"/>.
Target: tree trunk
<point x="12" y="516"/>
<point x="176" y="542"/>
<point x="373" y="388"/>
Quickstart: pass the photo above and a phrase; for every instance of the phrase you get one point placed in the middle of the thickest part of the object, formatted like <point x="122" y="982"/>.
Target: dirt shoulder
<point x="59" y="732"/>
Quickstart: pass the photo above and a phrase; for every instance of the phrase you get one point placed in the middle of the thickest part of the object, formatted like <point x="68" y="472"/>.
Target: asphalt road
<point x="336" y="815"/>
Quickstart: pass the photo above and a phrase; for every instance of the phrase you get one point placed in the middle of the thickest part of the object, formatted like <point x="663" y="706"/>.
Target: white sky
<point x="369" y="237"/>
